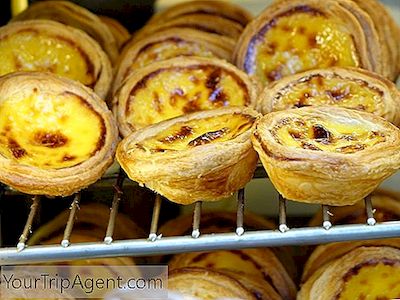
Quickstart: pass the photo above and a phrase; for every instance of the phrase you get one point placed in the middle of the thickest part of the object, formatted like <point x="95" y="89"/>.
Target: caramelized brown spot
<point x="35" y="90"/>
<point x="333" y="61"/>
<point x="275" y="74"/>
<point x="319" y="80"/>
<point x="194" y="79"/>
<point x="372" y="262"/>
<point x="184" y="132"/>
<point x="362" y="297"/>
<point x="208" y="137"/>
<point x="296" y="134"/>
<point x="302" y="30"/>
<point x="320" y="133"/>
<point x="50" y="139"/>
<point x="178" y="92"/>
<point x="338" y="95"/>
<point x="213" y="79"/>
<point x="156" y="102"/>
<point x="15" y="148"/>
<point x="218" y="98"/>
<point x="364" y="282"/>
<point x="351" y="148"/>
<point x="68" y="157"/>
<point x="309" y="146"/>
<point x="312" y="41"/>
<point x="270" y="48"/>
<point x="286" y="28"/>
<point x="210" y="265"/>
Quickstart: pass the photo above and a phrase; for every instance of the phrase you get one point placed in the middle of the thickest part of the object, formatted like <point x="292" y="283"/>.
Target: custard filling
<point x="31" y="50"/>
<point x="332" y="90"/>
<point x="49" y="131"/>
<point x="341" y="136"/>
<point x="167" y="49"/>
<point x="186" y="135"/>
<point x="372" y="281"/>
<point x="175" y="91"/>
<point x="298" y="41"/>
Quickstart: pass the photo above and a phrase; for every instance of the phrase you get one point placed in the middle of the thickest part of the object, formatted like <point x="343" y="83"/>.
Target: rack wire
<point x="156" y="244"/>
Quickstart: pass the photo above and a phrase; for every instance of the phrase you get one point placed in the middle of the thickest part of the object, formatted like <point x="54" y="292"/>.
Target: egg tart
<point x="346" y="87"/>
<point x="120" y="33"/>
<point x="292" y="36"/>
<point x="206" y="284"/>
<point x="223" y="9"/>
<point x="200" y="156"/>
<point x="328" y="155"/>
<point x="56" y="136"/>
<point x="169" y="44"/>
<point x="71" y="14"/>
<point x="261" y="264"/>
<point x="178" y="86"/>
<point x="42" y="45"/>
<point x="371" y="272"/>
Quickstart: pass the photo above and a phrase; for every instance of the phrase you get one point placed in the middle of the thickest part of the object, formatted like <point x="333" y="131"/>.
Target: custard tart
<point x="292" y="36"/>
<point x="371" y="272"/>
<point x="42" y="45"/>
<point x="200" y="156"/>
<point x="56" y="136"/>
<point x="179" y="86"/>
<point x="169" y="44"/>
<point x="204" y="284"/>
<point x="346" y="87"/>
<point x="71" y="14"/>
<point x="223" y="9"/>
<point x="120" y="33"/>
<point x="328" y="155"/>
<point x="261" y="264"/>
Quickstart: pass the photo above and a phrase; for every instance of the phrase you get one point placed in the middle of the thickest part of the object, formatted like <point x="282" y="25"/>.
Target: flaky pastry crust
<point x="83" y="52"/>
<point x="178" y="86"/>
<point x="207" y="165"/>
<point x="346" y="87"/>
<point x="327" y="154"/>
<point x="32" y="159"/>
<point x="71" y="14"/>
<point x="120" y="33"/>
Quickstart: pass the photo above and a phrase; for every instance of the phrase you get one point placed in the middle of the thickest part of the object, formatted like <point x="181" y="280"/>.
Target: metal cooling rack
<point x="156" y="244"/>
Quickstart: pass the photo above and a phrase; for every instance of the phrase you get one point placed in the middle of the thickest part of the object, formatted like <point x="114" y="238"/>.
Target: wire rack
<point x="156" y="244"/>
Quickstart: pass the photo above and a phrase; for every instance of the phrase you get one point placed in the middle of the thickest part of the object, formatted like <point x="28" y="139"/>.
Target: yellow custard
<point x="167" y="49"/>
<point x="30" y="50"/>
<point x="348" y="136"/>
<point x="371" y="282"/>
<point x="319" y="90"/>
<point x="49" y="131"/>
<point x="176" y="91"/>
<point x="301" y="41"/>
<point x="182" y="136"/>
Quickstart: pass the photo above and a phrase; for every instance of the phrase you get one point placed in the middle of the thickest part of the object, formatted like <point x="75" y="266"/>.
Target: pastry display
<point x="57" y="136"/>
<point x="328" y="155"/>
<point x="120" y="33"/>
<point x="291" y="36"/>
<point x="47" y="46"/>
<point x="261" y="264"/>
<point x="71" y="14"/>
<point x="205" y="284"/>
<point x="346" y="87"/>
<point x="223" y="9"/>
<point x="200" y="156"/>
<point x="178" y="86"/>
<point x="169" y="44"/>
<point x="371" y="272"/>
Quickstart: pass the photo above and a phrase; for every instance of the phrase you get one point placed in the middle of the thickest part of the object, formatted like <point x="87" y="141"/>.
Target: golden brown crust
<point x="214" y="69"/>
<point x="259" y="263"/>
<point x="336" y="176"/>
<point x="120" y="33"/>
<point x="329" y="281"/>
<point x="192" y="42"/>
<point x="73" y="15"/>
<point x="384" y="95"/>
<point x="68" y="180"/>
<point x="209" y="171"/>
<point x="222" y="8"/>
<point x="97" y="63"/>
<point x="206" y="284"/>
<point x="350" y="16"/>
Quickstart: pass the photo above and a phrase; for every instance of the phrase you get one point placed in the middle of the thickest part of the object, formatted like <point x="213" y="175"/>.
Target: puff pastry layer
<point x="179" y="86"/>
<point x="327" y="154"/>
<point x="201" y="156"/>
<point x="365" y="271"/>
<point x="71" y="14"/>
<point x="120" y="33"/>
<point x="206" y="284"/>
<point x="42" y="45"/>
<point x="260" y="264"/>
<point x="56" y="136"/>
<point x="346" y="87"/>
<point x="291" y="36"/>
<point x="168" y="44"/>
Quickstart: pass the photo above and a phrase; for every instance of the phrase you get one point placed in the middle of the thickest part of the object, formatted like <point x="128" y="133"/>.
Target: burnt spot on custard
<point x="208" y="137"/>
<point x="50" y="139"/>
<point x="183" y="133"/>
<point x="15" y="148"/>
<point x="68" y="157"/>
